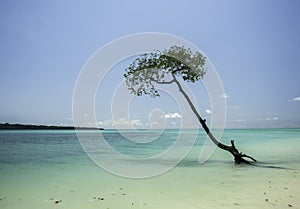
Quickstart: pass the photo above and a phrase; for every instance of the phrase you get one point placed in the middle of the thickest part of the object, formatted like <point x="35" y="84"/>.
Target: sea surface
<point x="50" y="169"/>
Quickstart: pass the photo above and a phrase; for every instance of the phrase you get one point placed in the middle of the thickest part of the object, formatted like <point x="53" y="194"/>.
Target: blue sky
<point x="254" y="45"/>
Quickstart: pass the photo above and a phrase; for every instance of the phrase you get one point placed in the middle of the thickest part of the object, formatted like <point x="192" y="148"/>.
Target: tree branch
<point x="202" y="121"/>
<point x="162" y="82"/>
<point x="247" y="156"/>
<point x="238" y="157"/>
<point x="175" y="71"/>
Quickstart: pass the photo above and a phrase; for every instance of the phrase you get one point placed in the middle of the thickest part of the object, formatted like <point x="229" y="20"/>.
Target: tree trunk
<point x="238" y="156"/>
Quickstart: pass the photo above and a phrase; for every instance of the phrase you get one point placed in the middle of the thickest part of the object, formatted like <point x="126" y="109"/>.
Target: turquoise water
<point x="38" y="168"/>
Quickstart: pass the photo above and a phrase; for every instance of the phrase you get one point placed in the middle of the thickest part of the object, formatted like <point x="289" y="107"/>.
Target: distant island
<point x="7" y="126"/>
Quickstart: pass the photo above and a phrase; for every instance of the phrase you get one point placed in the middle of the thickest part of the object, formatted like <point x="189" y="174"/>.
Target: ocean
<point x="50" y="169"/>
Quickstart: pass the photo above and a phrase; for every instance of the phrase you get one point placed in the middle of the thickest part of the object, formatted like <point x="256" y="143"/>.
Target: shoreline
<point x="8" y="126"/>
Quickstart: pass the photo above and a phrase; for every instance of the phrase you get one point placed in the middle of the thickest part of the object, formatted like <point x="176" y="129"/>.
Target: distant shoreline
<point x="8" y="126"/>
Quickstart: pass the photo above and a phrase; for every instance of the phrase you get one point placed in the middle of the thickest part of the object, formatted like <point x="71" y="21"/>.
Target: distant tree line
<point x="7" y="126"/>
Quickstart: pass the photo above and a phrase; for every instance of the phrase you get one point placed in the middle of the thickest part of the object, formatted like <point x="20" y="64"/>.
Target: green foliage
<point x="162" y="67"/>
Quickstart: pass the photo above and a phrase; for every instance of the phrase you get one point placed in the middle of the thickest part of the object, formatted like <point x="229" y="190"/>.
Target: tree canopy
<point x="158" y="68"/>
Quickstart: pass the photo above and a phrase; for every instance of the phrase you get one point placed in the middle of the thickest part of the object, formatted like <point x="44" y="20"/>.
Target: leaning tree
<point x="165" y="67"/>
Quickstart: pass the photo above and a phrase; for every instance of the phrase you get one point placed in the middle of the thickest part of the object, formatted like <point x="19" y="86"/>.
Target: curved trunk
<point x="238" y="156"/>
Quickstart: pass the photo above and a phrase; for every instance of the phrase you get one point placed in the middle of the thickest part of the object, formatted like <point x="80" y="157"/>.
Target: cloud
<point x="295" y="99"/>
<point x="136" y="122"/>
<point x="274" y="118"/>
<point x="208" y="111"/>
<point x="173" y="115"/>
<point x="121" y="122"/>
<point x="225" y="96"/>
<point x="240" y="120"/>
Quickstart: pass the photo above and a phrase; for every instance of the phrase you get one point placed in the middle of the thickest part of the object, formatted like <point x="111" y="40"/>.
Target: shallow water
<point x="38" y="168"/>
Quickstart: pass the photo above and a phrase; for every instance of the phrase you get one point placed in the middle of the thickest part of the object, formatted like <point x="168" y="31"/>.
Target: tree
<point x="165" y="67"/>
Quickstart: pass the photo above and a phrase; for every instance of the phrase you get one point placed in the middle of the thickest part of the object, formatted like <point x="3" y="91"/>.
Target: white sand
<point x="213" y="185"/>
